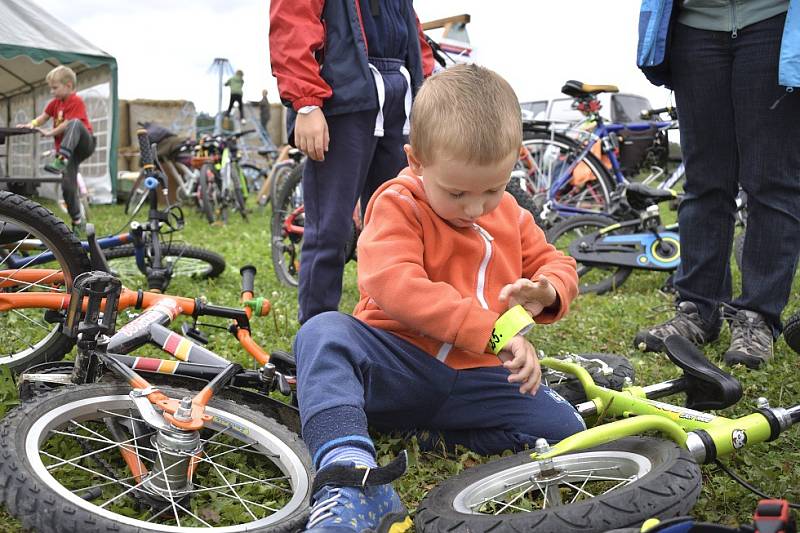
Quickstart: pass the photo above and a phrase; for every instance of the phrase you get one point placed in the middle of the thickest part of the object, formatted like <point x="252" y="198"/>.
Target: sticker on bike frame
<point x="236" y="428"/>
<point x="682" y="412"/>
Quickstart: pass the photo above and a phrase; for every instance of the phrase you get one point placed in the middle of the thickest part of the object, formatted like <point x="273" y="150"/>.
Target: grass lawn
<point x="595" y="324"/>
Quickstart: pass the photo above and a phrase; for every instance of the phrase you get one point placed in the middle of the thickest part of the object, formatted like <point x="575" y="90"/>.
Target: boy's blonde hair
<point x="467" y="112"/>
<point x="62" y="74"/>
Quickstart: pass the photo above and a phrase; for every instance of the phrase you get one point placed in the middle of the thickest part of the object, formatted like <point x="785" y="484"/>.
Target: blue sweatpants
<point x="351" y="374"/>
<point x="356" y="164"/>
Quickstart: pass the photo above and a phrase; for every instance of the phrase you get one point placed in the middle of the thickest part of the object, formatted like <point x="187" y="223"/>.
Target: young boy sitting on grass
<point x="72" y="135"/>
<point x="444" y="253"/>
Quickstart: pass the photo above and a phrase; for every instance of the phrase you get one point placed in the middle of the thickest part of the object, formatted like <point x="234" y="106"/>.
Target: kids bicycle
<point x="607" y="477"/>
<point x="630" y="237"/>
<point x="223" y="183"/>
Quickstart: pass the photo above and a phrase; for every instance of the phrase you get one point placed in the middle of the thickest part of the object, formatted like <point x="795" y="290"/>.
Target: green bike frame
<point x="706" y="436"/>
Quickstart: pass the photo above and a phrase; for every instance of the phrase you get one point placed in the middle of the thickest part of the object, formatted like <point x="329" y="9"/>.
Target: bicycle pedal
<point x="54" y="317"/>
<point x="194" y="334"/>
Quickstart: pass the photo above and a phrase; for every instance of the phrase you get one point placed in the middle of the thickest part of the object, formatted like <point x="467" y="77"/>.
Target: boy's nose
<point x="474" y="209"/>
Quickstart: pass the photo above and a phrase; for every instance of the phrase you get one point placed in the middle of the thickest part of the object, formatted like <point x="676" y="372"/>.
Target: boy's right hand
<point x="519" y="358"/>
<point x="311" y="134"/>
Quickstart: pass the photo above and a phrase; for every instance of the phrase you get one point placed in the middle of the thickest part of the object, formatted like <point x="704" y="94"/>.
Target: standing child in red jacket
<point x="444" y="253"/>
<point x="347" y="69"/>
<point x="72" y="134"/>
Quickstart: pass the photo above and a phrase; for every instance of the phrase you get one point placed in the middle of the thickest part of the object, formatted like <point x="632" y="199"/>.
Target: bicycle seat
<point x="641" y="196"/>
<point x="267" y="152"/>
<point x="707" y="386"/>
<point x="576" y="88"/>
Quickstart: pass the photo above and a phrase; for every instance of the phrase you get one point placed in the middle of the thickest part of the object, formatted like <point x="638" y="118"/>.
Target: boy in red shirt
<point x="72" y="134"/>
<point x="440" y="259"/>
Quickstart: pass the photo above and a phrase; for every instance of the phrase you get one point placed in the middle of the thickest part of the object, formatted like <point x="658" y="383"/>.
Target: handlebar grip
<point x="248" y="273"/>
<point x="145" y="151"/>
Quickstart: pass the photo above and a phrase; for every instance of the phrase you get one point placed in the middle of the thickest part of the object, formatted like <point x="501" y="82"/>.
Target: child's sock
<point x="348" y="454"/>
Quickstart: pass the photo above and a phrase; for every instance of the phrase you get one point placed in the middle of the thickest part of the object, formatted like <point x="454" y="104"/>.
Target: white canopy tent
<point x="32" y="42"/>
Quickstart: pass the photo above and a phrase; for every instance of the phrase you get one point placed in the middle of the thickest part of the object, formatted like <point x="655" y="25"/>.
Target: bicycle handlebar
<point x="248" y="273"/>
<point x="145" y="150"/>
<point x="649" y="113"/>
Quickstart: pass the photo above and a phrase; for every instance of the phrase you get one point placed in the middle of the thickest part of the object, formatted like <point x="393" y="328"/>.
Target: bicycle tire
<point x="285" y="248"/>
<point x="791" y="332"/>
<point x="209" y="193"/>
<point x="552" y="152"/>
<point x="188" y="261"/>
<point x="24" y="345"/>
<point x="138" y="191"/>
<point x="253" y="175"/>
<point x="568" y="386"/>
<point x="523" y="197"/>
<point x="667" y="484"/>
<point x="280" y="176"/>
<point x="52" y="505"/>
<point x="238" y="192"/>
<point x="595" y="280"/>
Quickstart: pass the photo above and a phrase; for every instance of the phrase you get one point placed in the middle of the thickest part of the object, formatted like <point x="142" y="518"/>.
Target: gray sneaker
<point x="751" y="340"/>
<point x="686" y="323"/>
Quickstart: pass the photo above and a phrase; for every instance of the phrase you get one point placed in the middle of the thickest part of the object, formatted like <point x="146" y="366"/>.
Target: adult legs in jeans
<point x="737" y="127"/>
<point x="355" y="165"/>
<point x="77" y="144"/>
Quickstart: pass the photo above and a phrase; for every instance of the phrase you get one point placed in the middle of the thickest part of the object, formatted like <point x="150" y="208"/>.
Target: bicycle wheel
<point x="281" y="173"/>
<point x="185" y="260"/>
<point x="522" y="195"/>
<point x="589" y="185"/>
<point x="238" y="190"/>
<point x="791" y="332"/>
<point x="63" y="453"/>
<point x="137" y="197"/>
<point x="253" y="176"/>
<point x="287" y="213"/>
<point x="619" y="484"/>
<point x="209" y="192"/>
<point x="593" y="279"/>
<point x="32" y="336"/>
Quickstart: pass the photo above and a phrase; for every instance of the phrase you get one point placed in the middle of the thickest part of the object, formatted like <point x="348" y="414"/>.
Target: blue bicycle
<point x="576" y="170"/>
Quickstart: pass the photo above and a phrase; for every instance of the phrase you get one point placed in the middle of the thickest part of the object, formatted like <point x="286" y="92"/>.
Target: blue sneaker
<point x="375" y="509"/>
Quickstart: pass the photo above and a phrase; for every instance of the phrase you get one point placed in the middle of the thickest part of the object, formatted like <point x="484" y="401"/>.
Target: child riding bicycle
<point x="441" y="258"/>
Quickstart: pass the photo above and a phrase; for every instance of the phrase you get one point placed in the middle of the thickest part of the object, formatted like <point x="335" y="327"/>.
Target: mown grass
<point x="595" y="324"/>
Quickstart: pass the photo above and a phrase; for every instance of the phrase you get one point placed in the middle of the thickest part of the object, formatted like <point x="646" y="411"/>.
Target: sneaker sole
<point x="750" y="361"/>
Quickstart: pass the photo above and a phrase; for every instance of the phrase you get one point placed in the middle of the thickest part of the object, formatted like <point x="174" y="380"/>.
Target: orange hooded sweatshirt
<point x="436" y="285"/>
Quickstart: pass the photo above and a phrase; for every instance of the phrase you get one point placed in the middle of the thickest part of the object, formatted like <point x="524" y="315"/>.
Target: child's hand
<point x="519" y="358"/>
<point x="311" y="134"/>
<point x="44" y="132"/>
<point x="534" y="296"/>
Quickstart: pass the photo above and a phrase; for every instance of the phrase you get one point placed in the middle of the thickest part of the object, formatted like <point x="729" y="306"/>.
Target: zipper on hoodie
<point x="734" y="29"/>
<point x="487" y="240"/>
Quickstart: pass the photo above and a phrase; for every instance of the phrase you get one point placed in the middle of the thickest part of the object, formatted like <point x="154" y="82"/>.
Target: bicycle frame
<point x="704" y="435"/>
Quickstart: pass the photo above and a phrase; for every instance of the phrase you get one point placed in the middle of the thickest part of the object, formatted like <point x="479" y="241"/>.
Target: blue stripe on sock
<point x="351" y="440"/>
<point x="348" y="454"/>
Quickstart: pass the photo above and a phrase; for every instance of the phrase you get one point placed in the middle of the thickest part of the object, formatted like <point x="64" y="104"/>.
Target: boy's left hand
<point x="534" y="296"/>
<point x="44" y="132"/>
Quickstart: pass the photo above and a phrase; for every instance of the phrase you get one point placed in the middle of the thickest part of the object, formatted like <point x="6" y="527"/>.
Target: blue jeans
<point x="355" y="165"/>
<point x="350" y="373"/>
<point x="738" y="127"/>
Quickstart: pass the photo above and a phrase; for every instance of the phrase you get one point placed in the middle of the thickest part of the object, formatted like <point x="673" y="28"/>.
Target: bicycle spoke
<point x="216" y="468"/>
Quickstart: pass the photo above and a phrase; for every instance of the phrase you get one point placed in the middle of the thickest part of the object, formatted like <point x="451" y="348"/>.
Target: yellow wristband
<point x="34" y="123"/>
<point x="515" y="321"/>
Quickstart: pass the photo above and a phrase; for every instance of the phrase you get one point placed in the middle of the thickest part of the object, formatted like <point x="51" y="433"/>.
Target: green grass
<point x="595" y="324"/>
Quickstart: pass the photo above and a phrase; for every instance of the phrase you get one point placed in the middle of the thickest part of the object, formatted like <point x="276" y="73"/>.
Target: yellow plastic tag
<point x="515" y="321"/>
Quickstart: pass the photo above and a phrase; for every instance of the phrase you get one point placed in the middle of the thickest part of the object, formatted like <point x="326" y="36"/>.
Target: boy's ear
<point x="413" y="162"/>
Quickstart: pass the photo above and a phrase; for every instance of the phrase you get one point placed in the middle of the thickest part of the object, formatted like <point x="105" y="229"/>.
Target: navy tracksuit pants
<point x="351" y="374"/>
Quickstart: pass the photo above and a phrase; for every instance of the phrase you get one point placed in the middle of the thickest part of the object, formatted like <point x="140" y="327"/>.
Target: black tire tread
<point x="40" y="509"/>
<point x="286" y="187"/>
<point x="43" y="220"/>
<point x="671" y="490"/>
<point x="215" y="261"/>
<point x="791" y="332"/>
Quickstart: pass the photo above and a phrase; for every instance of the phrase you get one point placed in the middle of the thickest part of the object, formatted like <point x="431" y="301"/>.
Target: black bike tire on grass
<point x="522" y="196"/>
<point x="670" y="488"/>
<point x="41" y="507"/>
<point x="71" y="257"/>
<point x="619" y="274"/>
<point x="791" y="332"/>
<point x="280" y="202"/>
<point x="215" y="263"/>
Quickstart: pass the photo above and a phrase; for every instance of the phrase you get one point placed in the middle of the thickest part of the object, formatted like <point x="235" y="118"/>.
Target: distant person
<point x="236" y="84"/>
<point x="264" y="113"/>
<point x="168" y="144"/>
<point x="735" y="70"/>
<point x="72" y="135"/>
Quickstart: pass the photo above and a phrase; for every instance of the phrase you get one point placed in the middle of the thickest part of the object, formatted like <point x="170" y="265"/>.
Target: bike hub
<point x="175" y="451"/>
